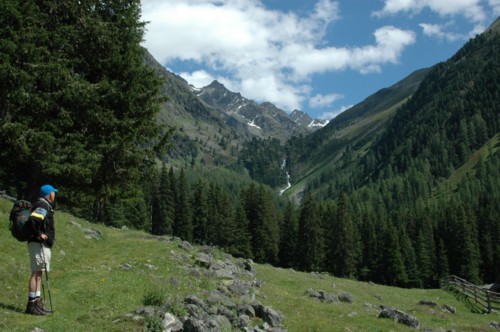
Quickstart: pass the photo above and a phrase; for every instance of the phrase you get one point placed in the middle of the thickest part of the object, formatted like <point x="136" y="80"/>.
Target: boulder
<point x="345" y="297"/>
<point x="449" y="308"/>
<point x="171" y="323"/>
<point x="400" y="317"/>
<point x="203" y="260"/>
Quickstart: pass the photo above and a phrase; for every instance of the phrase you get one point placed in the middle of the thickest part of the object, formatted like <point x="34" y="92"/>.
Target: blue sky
<point x="318" y="56"/>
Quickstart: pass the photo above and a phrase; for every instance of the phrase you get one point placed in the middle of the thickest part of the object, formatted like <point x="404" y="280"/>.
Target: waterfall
<point x="288" y="184"/>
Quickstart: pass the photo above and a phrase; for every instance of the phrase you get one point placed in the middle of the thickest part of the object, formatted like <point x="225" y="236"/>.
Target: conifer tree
<point x="288" y="240"/>
<point x="342" y="242"/>
<point x="392" y="268"/>
<point x="241" y="246"/>
<point x="469" y="259"/>
<point x="166" y="213"/>
<point x="442" y="266"/>
<point x="200" y="212"/>
<point x="213" y="216"/>
<point x="262" y="222"/>
<point x="155" y="202"/>
<point x="310" y="243"/>
<point x="370" y="247"/>
<point x="91" y="111"/>
<point x="183" y="227"/>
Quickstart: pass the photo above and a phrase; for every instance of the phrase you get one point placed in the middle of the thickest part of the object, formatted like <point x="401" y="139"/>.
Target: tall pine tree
<point x="310" y="242"/>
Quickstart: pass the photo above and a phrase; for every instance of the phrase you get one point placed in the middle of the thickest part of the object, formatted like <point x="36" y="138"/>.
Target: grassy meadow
<point x="96" y="284"/>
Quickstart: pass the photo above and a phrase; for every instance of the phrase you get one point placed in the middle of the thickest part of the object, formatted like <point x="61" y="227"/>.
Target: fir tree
<point x="310" y="242"/>
<point x="289" y="233"/>
<point x="182" y="222"/>
<point x="200" y="212"/>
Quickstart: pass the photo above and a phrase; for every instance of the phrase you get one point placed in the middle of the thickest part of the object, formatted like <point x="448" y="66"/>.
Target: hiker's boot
<point x="32" y="309"/>
<point x="40" y="305"/>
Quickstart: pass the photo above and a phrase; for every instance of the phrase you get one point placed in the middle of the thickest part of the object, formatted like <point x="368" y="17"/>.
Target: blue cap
<point x="47" y="189"/>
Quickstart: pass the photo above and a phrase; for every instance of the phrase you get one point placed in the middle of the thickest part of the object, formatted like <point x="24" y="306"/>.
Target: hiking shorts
<point x="39" y="256"/>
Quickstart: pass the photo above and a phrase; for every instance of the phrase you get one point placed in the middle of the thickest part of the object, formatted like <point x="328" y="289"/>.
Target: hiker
<point x="39" y="246"/>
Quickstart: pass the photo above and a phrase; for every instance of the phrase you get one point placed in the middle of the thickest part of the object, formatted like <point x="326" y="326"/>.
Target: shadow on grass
<point x="11" y="307"/>
<point x="472" y="305"/>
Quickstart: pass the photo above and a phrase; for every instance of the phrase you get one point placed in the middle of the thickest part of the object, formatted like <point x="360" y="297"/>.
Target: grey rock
<point x="219" y="323"/>
<point x="449" y="308"/>
<point x="203" y="260"/>
<point x="345" y="297"/>
<point x="239" y="288"/>
<point x="400" y="317"/>
<point x="185" y="245"/>
<point x="271" y="316"/>
<point x="245" y="309"/>
<point x="195" y="325"/>
<point x="195" y="311"/>
<point x="92" y="233"/>
<point x="145" y="311"/>
<point x="313" y="293"/>
<point x="226" y="312"/>
<point x="171" y="323"/>
<point x="243" y="321"/>
<point x="193" y="299"/>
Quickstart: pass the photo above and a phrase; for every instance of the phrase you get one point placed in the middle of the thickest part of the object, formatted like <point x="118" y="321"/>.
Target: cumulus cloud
<point x="495" y="5"/>
<point x="331" y="114"/>
<point x="476" y="12"/>
<point x="267" y="55"/>
<point x="199" y="78"/>
<point x="470" y="9"/>
<point x="320" y="101"/>
<point x="437" y="30"/>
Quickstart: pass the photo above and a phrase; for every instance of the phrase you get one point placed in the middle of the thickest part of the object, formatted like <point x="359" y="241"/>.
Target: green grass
<point x="286" y="291"/>
<point x="92" y="291"/>
<point x="484" y="152"/>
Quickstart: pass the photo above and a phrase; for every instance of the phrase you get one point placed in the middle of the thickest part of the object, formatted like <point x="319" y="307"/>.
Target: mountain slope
<point x="101" y="275"/>
<point x="261" y="120"/>
<point x="213" y="123"/>
<point x="438" y="116"/>
<point x="201" y="136"/>
<point x="355" y="129"/>
<point x="455" y="110"/>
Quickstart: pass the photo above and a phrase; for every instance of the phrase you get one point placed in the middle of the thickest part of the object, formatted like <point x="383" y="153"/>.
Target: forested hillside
<point x="421" y="201"/>
<point x="77" y="103"/>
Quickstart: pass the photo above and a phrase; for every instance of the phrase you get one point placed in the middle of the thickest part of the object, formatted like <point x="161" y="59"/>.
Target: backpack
<point x="19" y="220"/>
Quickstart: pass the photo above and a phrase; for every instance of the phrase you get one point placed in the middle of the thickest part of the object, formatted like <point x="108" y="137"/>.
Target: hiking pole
<point x="47" y="278"/>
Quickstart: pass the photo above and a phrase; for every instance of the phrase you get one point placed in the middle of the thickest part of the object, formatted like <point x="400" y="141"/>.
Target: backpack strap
<point x="49" y="206"/>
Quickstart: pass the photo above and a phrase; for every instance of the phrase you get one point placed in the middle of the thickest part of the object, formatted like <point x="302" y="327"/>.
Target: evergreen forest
<point x="414" y="201"/>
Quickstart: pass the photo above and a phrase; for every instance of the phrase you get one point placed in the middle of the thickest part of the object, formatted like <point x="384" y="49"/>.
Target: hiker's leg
<point x="34" y="287"/>
<point x="35" y="282"/>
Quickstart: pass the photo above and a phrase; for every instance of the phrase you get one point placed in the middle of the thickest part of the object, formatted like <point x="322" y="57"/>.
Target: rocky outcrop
<point x="232" y="306"/>
<point x="400" y="317"/>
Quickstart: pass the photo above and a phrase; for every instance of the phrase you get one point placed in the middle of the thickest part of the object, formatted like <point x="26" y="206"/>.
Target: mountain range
<point x="213" y="122"/>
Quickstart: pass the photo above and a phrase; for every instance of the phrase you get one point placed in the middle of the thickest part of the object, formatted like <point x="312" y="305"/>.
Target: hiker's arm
<point x="37" y="218"/>
<point x="36" y="226"/>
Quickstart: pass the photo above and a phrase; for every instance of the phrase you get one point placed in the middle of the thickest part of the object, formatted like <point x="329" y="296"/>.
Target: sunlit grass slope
<point x="95" y="283"/>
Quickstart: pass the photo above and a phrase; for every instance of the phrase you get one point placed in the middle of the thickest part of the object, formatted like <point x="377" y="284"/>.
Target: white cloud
<point x="495" y="5"/>
<point x="267" y="55"/>
<point x="331" y="114"/>
<point x="437" y="30"/>
<point x="198" y="79"/>
<point x="470" y="9"/>
<point x="305" y="60"/>
<point x="320" y="101"/>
